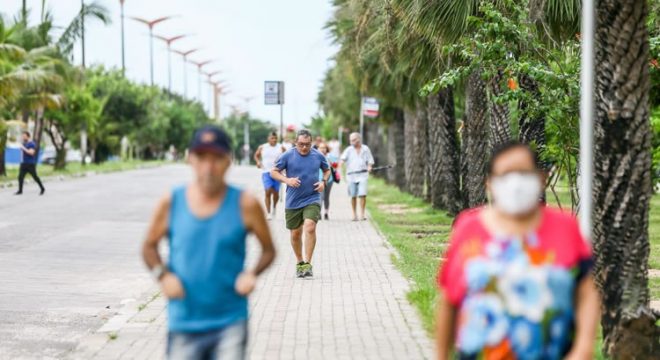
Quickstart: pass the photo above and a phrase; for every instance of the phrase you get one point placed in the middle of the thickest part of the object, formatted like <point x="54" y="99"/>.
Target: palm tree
<point x="444" y="155"/>
<point x="415" y="149"/>
<point x="622" y="180"/>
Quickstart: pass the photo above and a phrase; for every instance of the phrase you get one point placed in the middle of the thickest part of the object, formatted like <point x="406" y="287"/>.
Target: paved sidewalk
<point x="354" y="308"/>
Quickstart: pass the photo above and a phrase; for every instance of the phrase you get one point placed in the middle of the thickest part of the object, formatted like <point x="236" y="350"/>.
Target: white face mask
<point x="516" y="193"/>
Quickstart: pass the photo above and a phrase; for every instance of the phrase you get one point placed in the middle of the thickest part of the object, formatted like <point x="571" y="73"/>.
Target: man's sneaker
<point x="274" y="213"/>
<point x="300" y="269"/>
<point x="269" y="217"/>
<point x="307" y="270"/>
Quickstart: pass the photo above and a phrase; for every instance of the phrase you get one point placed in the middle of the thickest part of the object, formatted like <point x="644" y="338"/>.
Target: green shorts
<point x="296" y="217"/>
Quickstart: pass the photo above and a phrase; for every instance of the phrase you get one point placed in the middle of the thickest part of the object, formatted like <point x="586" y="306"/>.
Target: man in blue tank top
<point x="207" y="222"/>
<point x="303" y="196"/>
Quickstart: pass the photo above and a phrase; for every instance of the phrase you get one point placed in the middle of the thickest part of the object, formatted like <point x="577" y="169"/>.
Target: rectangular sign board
<point x="370" y="107"/>
<point x="274" y="92"/>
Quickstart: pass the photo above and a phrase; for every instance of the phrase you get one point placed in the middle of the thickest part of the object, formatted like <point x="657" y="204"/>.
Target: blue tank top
<point x="207" y="255"/>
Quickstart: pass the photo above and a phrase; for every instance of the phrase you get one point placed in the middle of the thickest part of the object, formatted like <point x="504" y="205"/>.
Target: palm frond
<point x="73" y="32"/>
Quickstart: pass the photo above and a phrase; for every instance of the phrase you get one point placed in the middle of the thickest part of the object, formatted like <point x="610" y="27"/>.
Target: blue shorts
<point x="229" y="342"/>
<point x="357" y="189"/>
<point x="269" y="182"/>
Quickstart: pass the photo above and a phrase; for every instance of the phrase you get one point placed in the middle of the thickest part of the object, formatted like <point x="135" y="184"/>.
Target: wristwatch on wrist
<point x="158" y="271"/>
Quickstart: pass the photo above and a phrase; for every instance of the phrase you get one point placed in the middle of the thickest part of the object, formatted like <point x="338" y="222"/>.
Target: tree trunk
<point x="59" y="143"/>
<point x="396" y="144"/>
<point x="532" y="125"/>
<point x="622" y="180"/>
<point x="373" y="140"/>
<point x="415" y="150"/>
<point x="38" y="131"/>
<point x="476" y="151"/>
<point x="500" y="129"/>
<point x="444" y="153"/>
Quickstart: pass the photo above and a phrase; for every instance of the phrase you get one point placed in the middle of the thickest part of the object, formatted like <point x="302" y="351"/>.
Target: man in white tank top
<point x="265" y="157"/>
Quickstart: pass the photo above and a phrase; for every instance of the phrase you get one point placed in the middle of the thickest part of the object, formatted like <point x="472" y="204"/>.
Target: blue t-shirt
<point x="306" y="168"/>
<point x="27" y="158"/>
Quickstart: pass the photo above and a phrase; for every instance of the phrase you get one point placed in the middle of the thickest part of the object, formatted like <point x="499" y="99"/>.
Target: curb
<point x="14" y="183"/>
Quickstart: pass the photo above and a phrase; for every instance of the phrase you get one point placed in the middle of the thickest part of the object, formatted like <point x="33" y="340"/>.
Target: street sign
<point x="370" y="107"/>
<point x="274" y="92"/>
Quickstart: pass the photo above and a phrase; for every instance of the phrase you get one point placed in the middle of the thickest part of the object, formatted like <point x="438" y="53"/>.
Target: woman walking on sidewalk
<point x="516" y="282"/>
<point x="333" y="161"/>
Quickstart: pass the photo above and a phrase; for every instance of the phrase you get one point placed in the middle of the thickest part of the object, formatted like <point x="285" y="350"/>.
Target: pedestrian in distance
<point x="29" y="159"/>
<point x="333" y="161"/>
<point x="516" y="282"/>
<point x="359" y="162"/>
<point x="205" y="281"/>
<point x="265" y="157"/>
<point x="299" y="168"/>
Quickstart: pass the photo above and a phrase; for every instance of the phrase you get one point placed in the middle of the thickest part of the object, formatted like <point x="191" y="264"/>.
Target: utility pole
<point x="587" y="107"/>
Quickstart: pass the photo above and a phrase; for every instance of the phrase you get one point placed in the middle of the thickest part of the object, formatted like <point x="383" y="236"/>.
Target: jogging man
<point x="303" y="196"/>
<point x="207" y="222"/>
<point x="359" y="162"/>
<point x="265" y="157"/>
<point x="28" y="163"/>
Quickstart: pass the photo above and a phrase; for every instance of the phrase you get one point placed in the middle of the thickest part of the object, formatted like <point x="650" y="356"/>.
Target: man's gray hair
<point x="303" y="132"/>
<point x="357" y="135"/>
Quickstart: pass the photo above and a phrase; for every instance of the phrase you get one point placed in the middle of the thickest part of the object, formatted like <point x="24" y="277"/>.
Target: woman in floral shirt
<point x="516" y="282"/>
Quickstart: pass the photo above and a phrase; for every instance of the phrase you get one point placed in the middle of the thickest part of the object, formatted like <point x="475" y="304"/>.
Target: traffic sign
<point x="370" y="107"/>
<point x="274" y="92"/>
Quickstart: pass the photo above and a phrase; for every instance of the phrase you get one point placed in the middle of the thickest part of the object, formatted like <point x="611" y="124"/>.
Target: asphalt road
<point x="70" y="257"/>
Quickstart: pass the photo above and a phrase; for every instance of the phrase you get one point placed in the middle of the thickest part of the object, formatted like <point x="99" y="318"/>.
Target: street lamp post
<point x="200" y="65"/>
<point x="169" y="41"/>
<point x="151" y="24"/>
<point x="123" y="57"/>
<point x="209" y="76"/>
<point x="218" y="89"/>
<point x="185" y="54"/>
<point x="82" y="28"/>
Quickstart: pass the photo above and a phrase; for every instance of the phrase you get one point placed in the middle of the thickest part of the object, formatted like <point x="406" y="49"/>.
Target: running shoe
<point x="300" y="269"/>
<point x="307" y="270"/>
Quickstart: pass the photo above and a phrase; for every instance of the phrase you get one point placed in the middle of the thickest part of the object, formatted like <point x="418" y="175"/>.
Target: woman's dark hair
<point x="26" y="133"/>
<point x="506" y="147"/>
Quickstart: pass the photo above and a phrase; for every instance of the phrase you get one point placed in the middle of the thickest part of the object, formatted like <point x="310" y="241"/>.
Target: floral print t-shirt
<point x="514" y="296"/>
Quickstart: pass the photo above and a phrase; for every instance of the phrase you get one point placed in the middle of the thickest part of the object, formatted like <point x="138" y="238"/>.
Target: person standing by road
<point x="359" y="162"/>
<point x="207" y="222"/>
<point x="265" y="157"/>
<point x="303" y="196"/>
<point x="28" y="163"/>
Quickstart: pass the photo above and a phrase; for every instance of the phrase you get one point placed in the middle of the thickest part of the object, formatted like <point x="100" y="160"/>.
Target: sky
<point x="250" y="40"/>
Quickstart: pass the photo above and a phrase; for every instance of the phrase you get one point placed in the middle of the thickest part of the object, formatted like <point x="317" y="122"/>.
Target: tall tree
<point x="475" y="141"/>
<point x="415" y="149"/>
<point x="622" y="180"/>
<point x="444" y="152"/>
